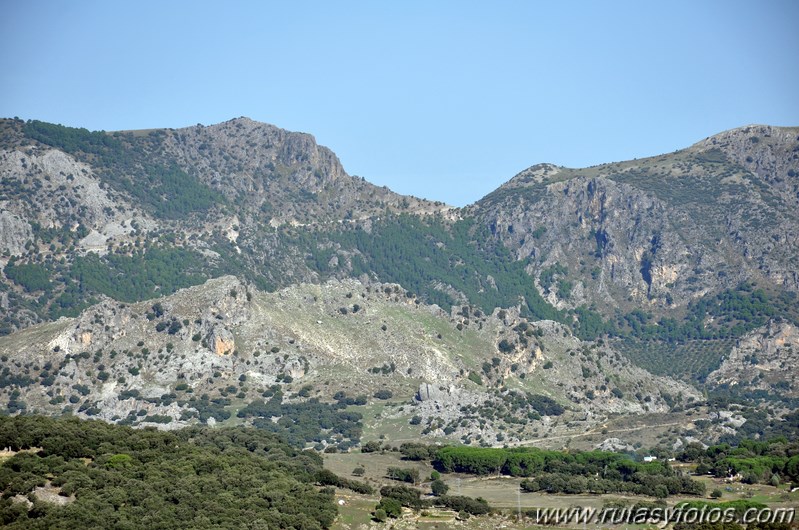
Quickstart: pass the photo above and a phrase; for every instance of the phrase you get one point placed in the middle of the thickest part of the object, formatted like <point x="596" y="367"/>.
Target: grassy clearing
<point x="502" y="493"/>
<point x="355" y="511"/>
<point x="11" y="344"/>
<point x="645" y="429"/>
<point x="378" y="425"/>
<point x="375" y="466"/>
<point x="321" y="319"/>
<point x="764" y="493"/>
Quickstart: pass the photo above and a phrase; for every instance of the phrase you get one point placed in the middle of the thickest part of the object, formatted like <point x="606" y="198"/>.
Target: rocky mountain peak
<point x="245" y="149"/>
<point x="771" y="153"/>
<point x="536" y="174"/>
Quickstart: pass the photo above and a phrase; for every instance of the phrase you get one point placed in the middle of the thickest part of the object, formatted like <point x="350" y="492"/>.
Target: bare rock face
<point x="246" y="147"/>
<point x="14" y="233"/>
<point x="126" y="358"/>
<point x="428" y="392"/>
<point x="769" y="152"/>
<point x="615" y="445"/>
<point x="627" y="233"/>
<point x="60" y="190"/>
<point x="269" y="169"/>
<point x="222" y="341"/>
<point x="765" y="359"/>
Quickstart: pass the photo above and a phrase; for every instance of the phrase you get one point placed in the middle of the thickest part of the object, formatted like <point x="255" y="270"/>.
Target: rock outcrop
<point x="764" y="360"/>
<point x="222" y="341"/>
<point x="15" y="232"/>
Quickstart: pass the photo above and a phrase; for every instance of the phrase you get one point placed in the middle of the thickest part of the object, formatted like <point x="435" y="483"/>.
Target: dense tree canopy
<point x="558" y="472"/>
<point x="118" y="477"/>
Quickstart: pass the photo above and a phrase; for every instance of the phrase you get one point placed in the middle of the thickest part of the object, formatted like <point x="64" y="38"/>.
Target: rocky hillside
<point x="661" y="232"/>
<point x="763" y="361"/>
<point x="248" y="198"/>
<point x="215" y="351"/>
<point x="208" y="200"/>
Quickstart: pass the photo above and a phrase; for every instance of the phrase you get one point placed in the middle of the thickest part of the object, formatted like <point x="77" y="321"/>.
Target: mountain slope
<point x="224" y="348"/>
<point x="667" y="260"/>
<point x="680" y="253"/>
<point x="664" y="230"/>
<point x="205" y="200"/>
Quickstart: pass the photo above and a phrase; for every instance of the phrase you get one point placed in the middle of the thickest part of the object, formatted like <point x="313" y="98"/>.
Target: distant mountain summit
<point x="204" y="196"/>
<point x="661" y="231"/>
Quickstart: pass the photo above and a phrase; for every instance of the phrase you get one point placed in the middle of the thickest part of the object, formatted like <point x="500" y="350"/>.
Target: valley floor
<point x="502" y="493"/>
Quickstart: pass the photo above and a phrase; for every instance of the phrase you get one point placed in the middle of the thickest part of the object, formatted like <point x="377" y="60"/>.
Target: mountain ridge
<point x="662" y="265"/>
<point x="145" y="362"/>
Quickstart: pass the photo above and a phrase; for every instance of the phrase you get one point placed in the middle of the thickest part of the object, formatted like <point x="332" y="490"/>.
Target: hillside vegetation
<point x="70" y="473"/>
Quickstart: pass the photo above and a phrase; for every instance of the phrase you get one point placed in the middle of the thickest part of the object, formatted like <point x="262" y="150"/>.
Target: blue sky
<point x="444" y="100"/>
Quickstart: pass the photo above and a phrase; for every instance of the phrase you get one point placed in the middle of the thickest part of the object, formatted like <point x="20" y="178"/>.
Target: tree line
<point x="559" y="472"/>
